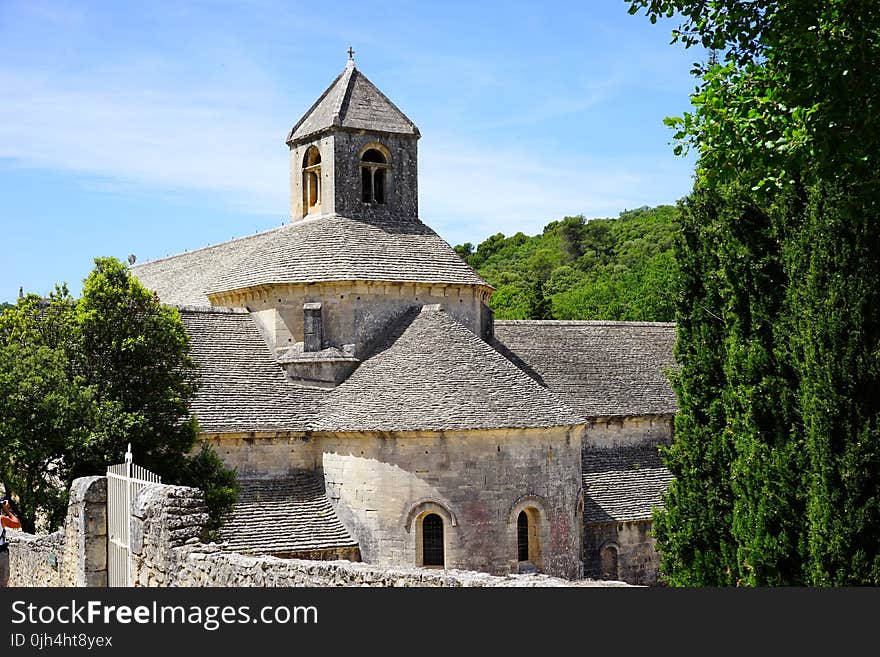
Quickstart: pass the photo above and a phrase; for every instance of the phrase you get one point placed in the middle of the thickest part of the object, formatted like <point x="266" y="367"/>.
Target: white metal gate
<point x="124" y="482"/>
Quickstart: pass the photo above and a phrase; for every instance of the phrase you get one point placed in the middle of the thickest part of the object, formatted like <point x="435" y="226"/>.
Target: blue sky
<point x="153" y="128"/>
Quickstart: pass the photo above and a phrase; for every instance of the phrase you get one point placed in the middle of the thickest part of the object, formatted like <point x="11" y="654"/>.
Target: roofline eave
<point x="264" y="287"/>
<point x="292" y="141"/>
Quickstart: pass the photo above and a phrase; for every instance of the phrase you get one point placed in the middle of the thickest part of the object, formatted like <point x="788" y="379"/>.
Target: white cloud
<point x="467" y="194"/>
<point x="145" y="135"/>
<point x="151" y="137"/>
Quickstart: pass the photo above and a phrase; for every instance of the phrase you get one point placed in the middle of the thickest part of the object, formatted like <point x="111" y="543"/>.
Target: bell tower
<point x="354" y="154"/>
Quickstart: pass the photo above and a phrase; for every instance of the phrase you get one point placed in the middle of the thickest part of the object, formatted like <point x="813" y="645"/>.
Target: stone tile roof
<point x="242" y="387"/>
<point x="352" y="101"/>
<point x="328" y="248"/>
<point x="433" y="373"/>
<point x="429" y="373"/>
<point x="623" y="484"/>
<point x="335" y="248"/>
<point x="183" y="279"/>
<point x="602" y="368"/>
<point x="284" y="516"/>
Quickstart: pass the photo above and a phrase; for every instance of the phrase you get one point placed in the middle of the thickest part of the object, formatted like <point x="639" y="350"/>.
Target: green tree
<point x="694" y="527"/>
<point x="97" y="373"/>
<point x="571" y="233"/>
<point x="620" y="268"/>
<point x="785" y="113"/>
<point x="464" y="250"/>
<point x="44" y="418"/>
<point x="134" y="351"/>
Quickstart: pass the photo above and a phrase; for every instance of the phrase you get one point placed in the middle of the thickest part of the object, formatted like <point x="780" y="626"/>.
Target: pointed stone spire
<point x="351" y="101"/>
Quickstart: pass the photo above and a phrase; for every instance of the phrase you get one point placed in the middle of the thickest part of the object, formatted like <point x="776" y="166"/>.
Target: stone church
<point x="353" y="374"/>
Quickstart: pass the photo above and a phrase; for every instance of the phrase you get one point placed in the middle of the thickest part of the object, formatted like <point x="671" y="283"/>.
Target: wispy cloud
<point x="206" y="141"/>
<point x="152" y="137"/>
<point x="468" y="193"/>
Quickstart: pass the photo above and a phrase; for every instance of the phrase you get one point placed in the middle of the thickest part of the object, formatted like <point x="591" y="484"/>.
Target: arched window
<point x="522" y="536"/>
<point x="608" y="561"/>
<point x="432" y="541"/>
<point x="374" y="167"/>
<point x="311" y="180"/>
<point x="528" y="546"/>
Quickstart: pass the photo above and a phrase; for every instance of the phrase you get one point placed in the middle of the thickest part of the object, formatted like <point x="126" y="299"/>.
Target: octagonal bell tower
<point x="354" y="154"/>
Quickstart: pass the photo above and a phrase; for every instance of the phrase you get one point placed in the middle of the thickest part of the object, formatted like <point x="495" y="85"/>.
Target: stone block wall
<point x="379" y="483"/>
<point x="73" y="556"/>
<point x="351" y="313"/>
<point x="269" y="454"/>
<point x="35" y="560"/>
<point x="402" y="189"/>
<point x="477" y="481"/>
<point x="638" y="562"/>
<point x="341" y="176"/>
<point x="608" y="433"/>
<point x="85" y="533"/>
<point x="167" y="551"/>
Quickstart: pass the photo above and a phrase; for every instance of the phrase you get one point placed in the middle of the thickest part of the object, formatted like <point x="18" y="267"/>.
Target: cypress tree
<point x="837" y="301"/>
<point x="693" y="529"/>
<point x="786" y="113"/>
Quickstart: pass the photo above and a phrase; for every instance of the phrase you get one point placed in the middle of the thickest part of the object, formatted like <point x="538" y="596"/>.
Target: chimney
<point x="312" y="330"/>
<point x="487" y="323"/>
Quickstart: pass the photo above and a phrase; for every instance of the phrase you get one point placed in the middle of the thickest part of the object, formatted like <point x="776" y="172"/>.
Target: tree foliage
<point x="785" y="125"/>
<point x="43" y="418"/>
<point x="618" y="269"/>
<point x="82" y="379"/>
<point x="694" y="530"/>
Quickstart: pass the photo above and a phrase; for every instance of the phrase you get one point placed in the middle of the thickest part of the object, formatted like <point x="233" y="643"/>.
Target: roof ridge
<point x="345" y="97"/>
<point x="217" y="310"/>
<point x="209" y="246"/>
<point x="578" y="322"/>
<point x="390" y="102"/>
<point x="513" y="399"/>
<point x="311" y="109"/>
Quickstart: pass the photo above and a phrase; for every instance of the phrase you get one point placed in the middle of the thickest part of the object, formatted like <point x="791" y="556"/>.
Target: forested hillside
<point x="619" y="268"/>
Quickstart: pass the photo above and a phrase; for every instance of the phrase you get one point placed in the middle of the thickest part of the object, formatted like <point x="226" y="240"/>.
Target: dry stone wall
<point x="73" y="556"/>
<point x="34" y="560"/>
<point x="167" y="551"/>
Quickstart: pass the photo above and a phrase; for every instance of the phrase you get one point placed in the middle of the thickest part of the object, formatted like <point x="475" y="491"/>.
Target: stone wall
<point x="380" y="483"/>
<point x="269" y="454"/>
<point x="401" y="186"/>
<point x="73" y="556"/>
<point x="299" y="209"/>
<point x="85" y="533"/>
<point x="638" y="561"/>
<point x="340" y="185"/>
<point x="167" y="551"/>
<point x="608" y="433"/>
<point x="477" y="481"/>
<point x="35" y="560"/>
<point x="164" y="518"/>
<point x="351" y="312"/>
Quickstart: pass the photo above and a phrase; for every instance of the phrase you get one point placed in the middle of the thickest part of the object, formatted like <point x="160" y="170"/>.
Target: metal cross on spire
<point x="350" y="53"/>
